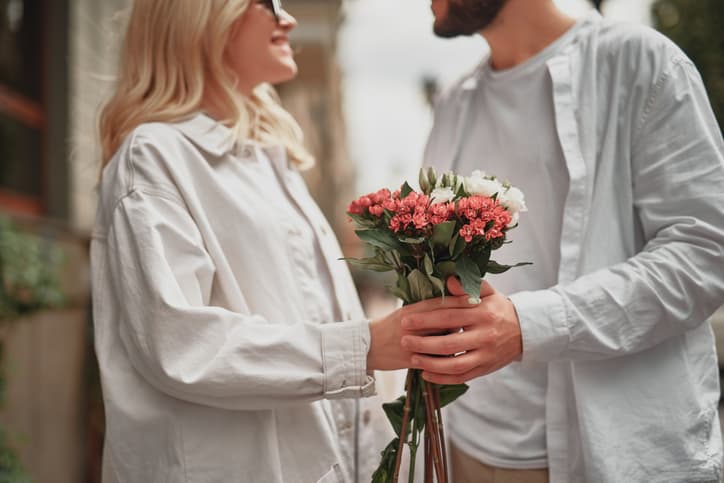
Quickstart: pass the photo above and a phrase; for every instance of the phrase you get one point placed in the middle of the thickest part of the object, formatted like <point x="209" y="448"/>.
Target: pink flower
<point x="376" y="210"/>
<point x="400" y="222"/>
<point x="442" y="212"/>
<point x="420" y="219"/>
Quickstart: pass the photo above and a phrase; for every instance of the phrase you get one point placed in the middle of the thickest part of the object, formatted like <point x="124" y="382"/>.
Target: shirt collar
<point x="207" y="134"/>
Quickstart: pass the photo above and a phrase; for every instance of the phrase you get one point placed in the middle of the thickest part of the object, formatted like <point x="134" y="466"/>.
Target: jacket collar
<point x="207" y="134"/>
<point x="218" y="140"/>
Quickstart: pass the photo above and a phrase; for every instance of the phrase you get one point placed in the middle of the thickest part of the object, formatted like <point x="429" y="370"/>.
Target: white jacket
<point x="217" y="358"/>
<point x="633" y="385"/>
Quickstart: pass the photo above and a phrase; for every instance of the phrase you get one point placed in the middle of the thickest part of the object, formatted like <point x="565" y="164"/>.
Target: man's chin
<point x="448" y="32"/>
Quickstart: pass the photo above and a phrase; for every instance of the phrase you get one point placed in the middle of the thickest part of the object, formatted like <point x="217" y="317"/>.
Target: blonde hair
<point x="172" y="60"/>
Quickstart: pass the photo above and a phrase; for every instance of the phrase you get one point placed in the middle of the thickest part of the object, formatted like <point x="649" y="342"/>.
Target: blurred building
<point x="57" y="61"/>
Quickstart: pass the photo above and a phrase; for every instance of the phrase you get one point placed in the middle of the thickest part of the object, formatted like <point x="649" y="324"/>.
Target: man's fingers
<point x="486" y="289"/>
<point x="454" y="379"/>
<point x="446" y="345"/>
<point x="439" y="320"/>
<point x="456" y="288"/>
<point x="450" y="302"/>
<point x="455" y="366"/>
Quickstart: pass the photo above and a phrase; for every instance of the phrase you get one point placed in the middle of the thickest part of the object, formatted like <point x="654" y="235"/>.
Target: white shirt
<point x="509" y="405"/>
<point x="633" y="383"/>
<point x="220" y="357"/>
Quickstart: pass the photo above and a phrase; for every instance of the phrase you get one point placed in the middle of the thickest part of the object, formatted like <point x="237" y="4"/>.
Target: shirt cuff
<point x="344" y="360"/>
<point x="543" y="326"/>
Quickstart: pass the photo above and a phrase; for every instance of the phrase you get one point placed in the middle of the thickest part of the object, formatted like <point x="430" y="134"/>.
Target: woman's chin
<point x="287" y="72"/>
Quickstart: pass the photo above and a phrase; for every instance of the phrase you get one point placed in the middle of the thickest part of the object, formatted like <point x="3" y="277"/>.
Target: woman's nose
<point x="286" y="21"/>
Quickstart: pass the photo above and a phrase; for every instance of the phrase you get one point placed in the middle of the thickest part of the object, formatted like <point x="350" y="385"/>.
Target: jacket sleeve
<point x="677" y="281"/>
<point x="163" y="279"/>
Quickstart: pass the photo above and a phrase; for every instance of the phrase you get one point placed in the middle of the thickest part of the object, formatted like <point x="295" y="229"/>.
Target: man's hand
<point x="385" y="351"/>
<point x="489" y="340"/>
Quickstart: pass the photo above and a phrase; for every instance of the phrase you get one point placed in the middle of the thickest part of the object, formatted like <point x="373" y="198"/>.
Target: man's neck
<point x="522" y="29"/>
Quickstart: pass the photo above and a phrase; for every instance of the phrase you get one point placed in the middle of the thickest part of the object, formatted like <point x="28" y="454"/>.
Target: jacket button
<point x="366" y="417"/>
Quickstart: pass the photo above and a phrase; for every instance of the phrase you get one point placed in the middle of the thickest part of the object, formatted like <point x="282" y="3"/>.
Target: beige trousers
<point x="466" y="469"/>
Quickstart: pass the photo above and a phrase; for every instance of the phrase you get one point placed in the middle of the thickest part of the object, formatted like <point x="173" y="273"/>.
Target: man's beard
<point x="466" y="17"/>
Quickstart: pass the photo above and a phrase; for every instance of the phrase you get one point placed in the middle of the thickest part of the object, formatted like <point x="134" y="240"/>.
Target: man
<point x="609" y="372"/>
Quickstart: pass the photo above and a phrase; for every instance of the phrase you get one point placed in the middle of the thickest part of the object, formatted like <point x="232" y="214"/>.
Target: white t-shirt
<point x="510" y="132"/>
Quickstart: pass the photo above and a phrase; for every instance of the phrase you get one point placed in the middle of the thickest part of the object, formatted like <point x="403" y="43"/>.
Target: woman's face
<point x="258" y="50"/>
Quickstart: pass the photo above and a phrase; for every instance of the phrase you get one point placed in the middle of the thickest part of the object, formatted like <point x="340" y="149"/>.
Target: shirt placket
<point x="572" y="232"/>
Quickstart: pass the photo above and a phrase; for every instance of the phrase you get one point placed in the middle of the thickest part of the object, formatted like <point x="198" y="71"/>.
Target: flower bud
<point x="432" y="176"/>
<point x="424" y="184"/>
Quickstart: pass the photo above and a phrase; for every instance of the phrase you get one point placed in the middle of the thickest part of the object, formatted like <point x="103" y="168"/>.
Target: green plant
<point x="11" y="471"/>
<point x="28" y="273"/>
<point x="28" y="282"/>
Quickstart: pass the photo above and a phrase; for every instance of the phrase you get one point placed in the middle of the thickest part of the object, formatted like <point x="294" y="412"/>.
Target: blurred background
<point x="369" y="71"/>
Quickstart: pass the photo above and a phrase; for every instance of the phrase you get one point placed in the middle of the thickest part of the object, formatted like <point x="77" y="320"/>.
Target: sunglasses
<point x="274" y="6"/>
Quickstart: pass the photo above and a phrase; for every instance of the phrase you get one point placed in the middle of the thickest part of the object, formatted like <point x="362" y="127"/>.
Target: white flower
<point x="513" y="200"/>
<point x="442" y="195"/>
<point x="477" y="184"/>
<point x="514" y="217"/>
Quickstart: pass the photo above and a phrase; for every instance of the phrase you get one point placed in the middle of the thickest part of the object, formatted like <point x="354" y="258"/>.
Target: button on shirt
<point x="633" y="383"/>
<point x="217" y="301"/>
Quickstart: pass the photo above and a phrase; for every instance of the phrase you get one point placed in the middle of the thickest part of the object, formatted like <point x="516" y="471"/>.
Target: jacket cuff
<point x="543" y="326"/>
<point x="344" y="360"/>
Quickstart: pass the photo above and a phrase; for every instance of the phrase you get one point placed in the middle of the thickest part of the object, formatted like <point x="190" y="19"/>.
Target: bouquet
<point x="448" y="228"/>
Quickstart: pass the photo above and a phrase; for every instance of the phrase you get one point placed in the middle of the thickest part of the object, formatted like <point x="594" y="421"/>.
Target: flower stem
<point x="403" y="429"/>
<point x="436" y="398"/>
<point x="433" y="432"/>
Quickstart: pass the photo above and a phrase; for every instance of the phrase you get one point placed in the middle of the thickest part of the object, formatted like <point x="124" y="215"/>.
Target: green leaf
<point x="469" y="274"/>
<point x="402" y="289"/>
<point x="420" y="286"/>
<point x="438" y="285"/>
<point x="450" y="392"/>
<point x="384" y="472"/>
<point x="481" y="258"/>
<point x="457" y="245"/>
<point x="446" y="269"/>
<point x="363" y="221"/>
<point x="427" y="264"/>
<point x="372" y="263"/>
<point x="442" y="234"/>
<point x="381" y="239"/>
<point x="399" y="293"/>
<point x="405" y="190"/>
<point x="495" y="267"/>
<point x="395" y="411"/>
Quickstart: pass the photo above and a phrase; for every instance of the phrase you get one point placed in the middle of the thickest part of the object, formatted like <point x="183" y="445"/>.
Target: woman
<point x="215" y="276"/>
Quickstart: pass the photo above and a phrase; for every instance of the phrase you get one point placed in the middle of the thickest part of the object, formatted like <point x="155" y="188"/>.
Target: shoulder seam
<point x="674" y="61"/>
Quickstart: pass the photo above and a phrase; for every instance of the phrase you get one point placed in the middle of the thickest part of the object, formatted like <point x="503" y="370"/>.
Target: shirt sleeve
<point x="163" y="278"/>
<point x="677" y="281"/>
